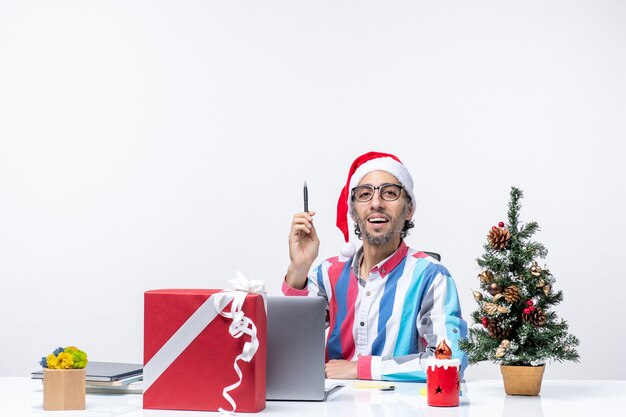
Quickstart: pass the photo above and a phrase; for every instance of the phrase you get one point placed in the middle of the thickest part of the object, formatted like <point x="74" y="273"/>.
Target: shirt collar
<point x="385" y="266"/>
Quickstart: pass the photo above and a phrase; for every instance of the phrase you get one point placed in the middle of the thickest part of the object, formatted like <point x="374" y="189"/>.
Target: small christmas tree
<point x="515" y="325"/>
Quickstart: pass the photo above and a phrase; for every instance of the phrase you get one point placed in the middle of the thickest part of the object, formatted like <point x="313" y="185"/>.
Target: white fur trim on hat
<point x="389" y="165"/>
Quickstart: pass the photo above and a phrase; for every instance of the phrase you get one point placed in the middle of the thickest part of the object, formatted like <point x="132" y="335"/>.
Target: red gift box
<point x="189" y="353"/>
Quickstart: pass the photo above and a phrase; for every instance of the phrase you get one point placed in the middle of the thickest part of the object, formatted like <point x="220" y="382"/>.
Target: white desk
<point x="24" y="397"/>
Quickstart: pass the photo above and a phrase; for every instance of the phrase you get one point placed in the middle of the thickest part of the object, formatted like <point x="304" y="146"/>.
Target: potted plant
<point x="514" y="325"/>
<point x="64" y="379"/>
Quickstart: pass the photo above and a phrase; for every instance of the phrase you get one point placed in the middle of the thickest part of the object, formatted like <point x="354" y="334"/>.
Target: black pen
<point x="306" y="198"/>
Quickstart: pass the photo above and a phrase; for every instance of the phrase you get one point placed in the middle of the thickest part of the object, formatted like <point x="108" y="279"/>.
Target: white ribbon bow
<point x="243" y="283"/>
<point x="241" y="325"/>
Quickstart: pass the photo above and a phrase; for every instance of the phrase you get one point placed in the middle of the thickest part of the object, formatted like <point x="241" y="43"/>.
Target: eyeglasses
<point x="388" y="192"/>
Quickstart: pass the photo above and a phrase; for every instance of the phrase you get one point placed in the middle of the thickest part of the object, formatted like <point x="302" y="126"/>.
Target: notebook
<point x="296" y="349"/>
<point x="107" y="372"/>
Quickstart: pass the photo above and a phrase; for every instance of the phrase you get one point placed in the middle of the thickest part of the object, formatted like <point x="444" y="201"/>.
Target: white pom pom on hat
<point x="348" y="250"/>
<point x="363" y="165"/>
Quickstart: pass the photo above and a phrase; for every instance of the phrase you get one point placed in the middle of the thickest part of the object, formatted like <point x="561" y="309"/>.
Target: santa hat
<point x="363" y="165"/>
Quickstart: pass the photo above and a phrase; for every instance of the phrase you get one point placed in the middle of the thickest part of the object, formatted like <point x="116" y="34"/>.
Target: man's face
<point x="381" y="221"/>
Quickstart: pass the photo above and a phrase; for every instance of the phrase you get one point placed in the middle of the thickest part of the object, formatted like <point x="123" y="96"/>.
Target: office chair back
<point x="433" y="254"/>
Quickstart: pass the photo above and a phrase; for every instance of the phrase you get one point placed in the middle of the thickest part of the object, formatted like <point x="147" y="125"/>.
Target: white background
<point x="158" y="144"/>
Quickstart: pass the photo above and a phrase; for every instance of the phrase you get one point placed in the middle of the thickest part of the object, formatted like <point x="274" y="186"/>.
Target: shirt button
<point x="368" y="293"/>
<point x="362" y="324"/>
<point x="383" y="271"/>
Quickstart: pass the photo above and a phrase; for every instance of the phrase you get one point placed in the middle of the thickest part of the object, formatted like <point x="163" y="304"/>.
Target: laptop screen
<point x="295" y="348"/>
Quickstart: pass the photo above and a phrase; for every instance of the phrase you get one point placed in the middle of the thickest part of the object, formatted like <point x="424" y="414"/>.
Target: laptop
<point x="296" y="349"/>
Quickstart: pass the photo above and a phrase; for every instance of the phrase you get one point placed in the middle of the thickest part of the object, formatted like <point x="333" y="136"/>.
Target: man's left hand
<point x="341" y="369"/>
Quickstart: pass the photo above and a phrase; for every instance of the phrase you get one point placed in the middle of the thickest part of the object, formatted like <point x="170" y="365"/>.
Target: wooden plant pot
<point x="64" y="389"/>
<point x="522" y="380"/>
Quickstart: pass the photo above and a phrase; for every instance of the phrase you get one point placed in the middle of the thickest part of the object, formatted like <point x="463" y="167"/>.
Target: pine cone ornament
<point x="498" y="238"/>
<point x="497" y="332"/>
<point x="536" y="317"/>
<point x="511" y="294"/>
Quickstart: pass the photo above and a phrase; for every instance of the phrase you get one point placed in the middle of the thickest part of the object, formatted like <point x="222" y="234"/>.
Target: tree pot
<point x="522" y="380"/>
<point x="64" y="389"/>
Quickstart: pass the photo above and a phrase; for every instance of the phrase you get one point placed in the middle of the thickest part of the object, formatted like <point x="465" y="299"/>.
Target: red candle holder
<point x="443" y="383"/>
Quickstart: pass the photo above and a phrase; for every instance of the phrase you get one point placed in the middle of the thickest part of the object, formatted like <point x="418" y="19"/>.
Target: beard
<point x="395" y="229"/>
<point x="377" y="240"/>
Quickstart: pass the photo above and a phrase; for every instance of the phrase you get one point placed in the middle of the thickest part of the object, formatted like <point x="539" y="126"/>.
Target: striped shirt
<point x="392" y="322"/>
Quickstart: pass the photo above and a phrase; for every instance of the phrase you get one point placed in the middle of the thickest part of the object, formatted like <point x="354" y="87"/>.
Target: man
<point x="388" y="305"/>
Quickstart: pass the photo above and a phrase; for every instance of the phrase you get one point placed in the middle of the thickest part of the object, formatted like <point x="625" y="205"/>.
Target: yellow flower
<point x="65" y="361"/>
<point x="52" y="361"/>
<point x="62" y="361"/>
